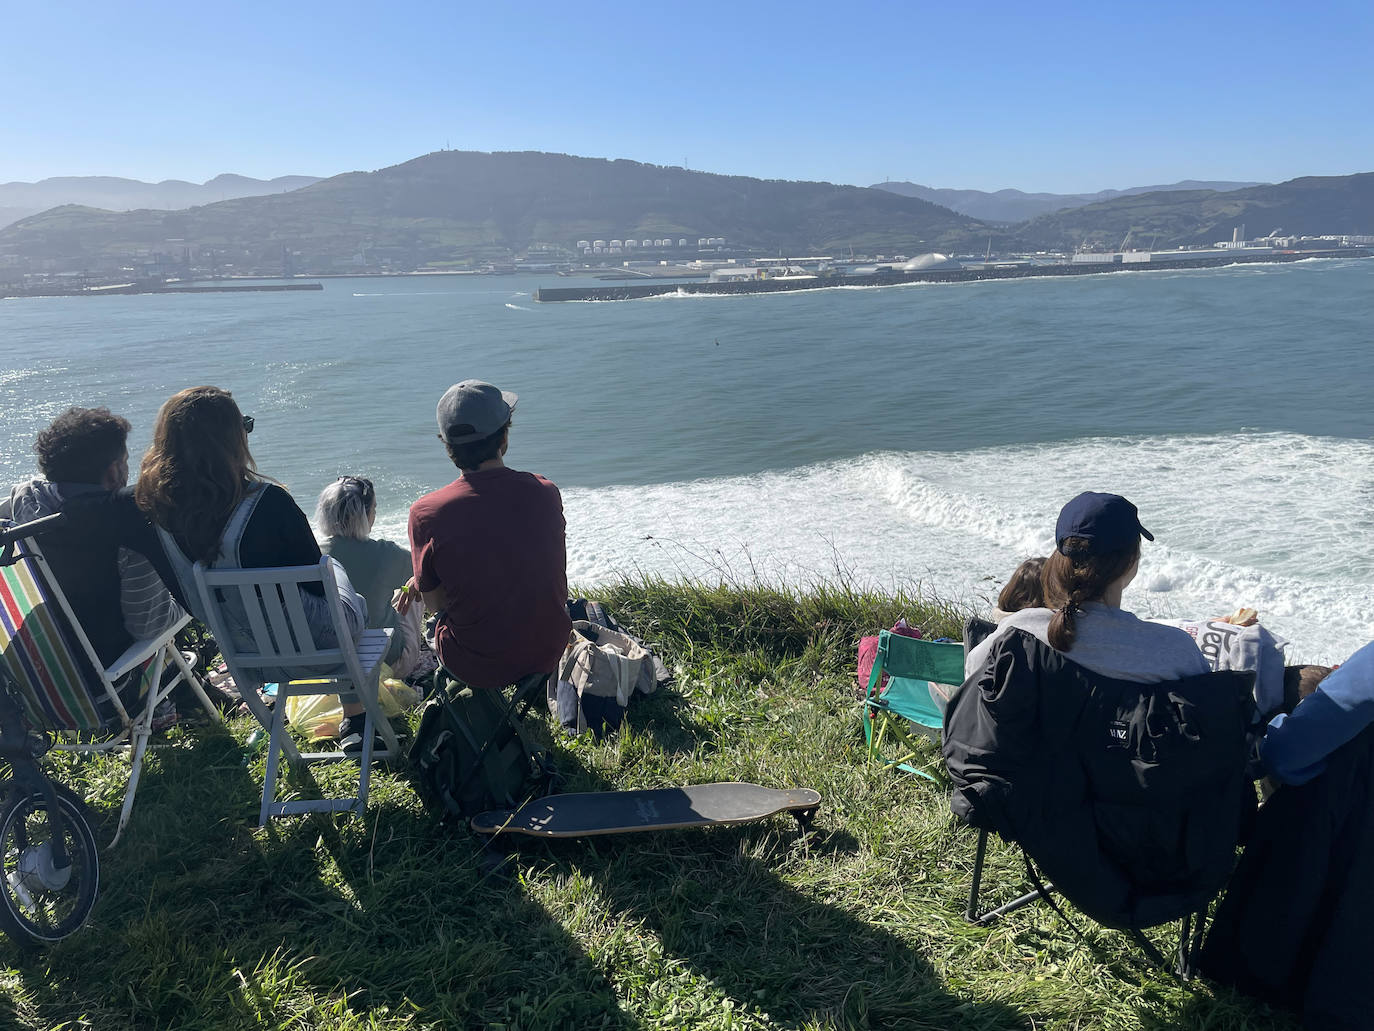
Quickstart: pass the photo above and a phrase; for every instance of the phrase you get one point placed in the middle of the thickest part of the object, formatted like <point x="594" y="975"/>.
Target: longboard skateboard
<point x="585" y="814"/>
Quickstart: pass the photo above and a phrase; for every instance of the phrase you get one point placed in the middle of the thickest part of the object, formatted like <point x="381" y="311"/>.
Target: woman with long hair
<point x="1096" y="556"/>
<point x="1023" y="589"/>
<point x="201" y="488"/>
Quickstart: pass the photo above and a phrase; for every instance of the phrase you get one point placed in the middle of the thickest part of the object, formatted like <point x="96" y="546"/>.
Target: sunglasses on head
<point x="361" y="484"/>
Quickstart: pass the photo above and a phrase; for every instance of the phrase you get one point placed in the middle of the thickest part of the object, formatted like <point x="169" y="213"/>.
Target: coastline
<point x="965" y="275"/>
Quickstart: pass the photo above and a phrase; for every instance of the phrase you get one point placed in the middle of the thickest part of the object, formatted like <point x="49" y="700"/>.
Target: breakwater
<point x="635" y="291"/>
<point x="123" y="289"/>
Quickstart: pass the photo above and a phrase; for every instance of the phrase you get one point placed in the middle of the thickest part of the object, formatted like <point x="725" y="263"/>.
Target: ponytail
<point x="1072" y="577"/>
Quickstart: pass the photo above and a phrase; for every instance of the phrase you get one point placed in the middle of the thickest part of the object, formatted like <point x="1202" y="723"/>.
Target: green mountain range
<point x="459" y="207"/>
<point x="20" y="200"/>
<point x="454" y="206"/>
<point x="1017" y="206"/>
<point x="1311" y="206"/>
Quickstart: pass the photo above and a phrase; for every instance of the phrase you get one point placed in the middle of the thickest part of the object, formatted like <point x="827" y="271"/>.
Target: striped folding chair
<point x="63" y="684"/>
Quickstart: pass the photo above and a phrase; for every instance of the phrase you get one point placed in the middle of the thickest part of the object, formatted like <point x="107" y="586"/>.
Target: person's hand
<point x="406" y="595"/>
<point x="1241" y="617"/>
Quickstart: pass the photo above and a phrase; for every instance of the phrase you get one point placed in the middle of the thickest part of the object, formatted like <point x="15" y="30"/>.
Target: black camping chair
<point x="1129" y="797"/>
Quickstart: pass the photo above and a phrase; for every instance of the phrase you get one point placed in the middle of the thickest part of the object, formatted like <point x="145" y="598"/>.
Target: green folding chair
<point x="897" y="715"/>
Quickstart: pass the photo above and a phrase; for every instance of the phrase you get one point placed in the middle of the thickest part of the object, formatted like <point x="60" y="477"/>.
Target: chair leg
<point x="365" y="765"/>
<point x="971" y="914"/>
<point x="376" y="719"/>
<point x="189" y="675"/>
<point x="275" y="735"/>
<point x="266" y="717"/>
<point x="140" y="747"/>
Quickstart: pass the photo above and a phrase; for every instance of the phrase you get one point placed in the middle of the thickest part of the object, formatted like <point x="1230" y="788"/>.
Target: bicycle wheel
<point x="40" y="904"/>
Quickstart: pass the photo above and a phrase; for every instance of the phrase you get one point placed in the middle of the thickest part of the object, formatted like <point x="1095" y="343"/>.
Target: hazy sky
<point x="1037" y="96"/>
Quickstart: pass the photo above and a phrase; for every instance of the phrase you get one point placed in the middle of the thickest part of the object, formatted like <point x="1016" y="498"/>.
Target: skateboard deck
<point x="585" y="814"/>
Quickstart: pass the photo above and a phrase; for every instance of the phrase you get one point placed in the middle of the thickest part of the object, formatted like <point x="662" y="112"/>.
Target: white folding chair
<point x="278" y="645"/>
<point x="60" y="676"/>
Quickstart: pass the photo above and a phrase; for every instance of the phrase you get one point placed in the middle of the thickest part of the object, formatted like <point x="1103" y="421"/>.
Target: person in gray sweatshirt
<point x="1096" y="556"/>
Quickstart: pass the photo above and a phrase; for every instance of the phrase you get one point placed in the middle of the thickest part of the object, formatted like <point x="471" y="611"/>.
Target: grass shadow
<point x="736" y="920"/>
<point x="206" y="922"/>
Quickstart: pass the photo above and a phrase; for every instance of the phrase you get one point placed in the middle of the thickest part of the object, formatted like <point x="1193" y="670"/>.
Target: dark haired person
<point x="200" y="486"/>
<point x="1022" y="590"/>
<point x="345" y="513"/>
<point x="116" y="593"/>
<point x="1097" y="554"/>
<point x="488" y="550"/>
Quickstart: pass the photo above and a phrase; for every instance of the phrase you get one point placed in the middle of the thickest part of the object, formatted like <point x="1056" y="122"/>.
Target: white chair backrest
<point x="276" y="622"/>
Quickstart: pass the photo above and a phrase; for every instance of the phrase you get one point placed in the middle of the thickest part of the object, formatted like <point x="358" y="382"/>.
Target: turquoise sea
<point x="915" y="434"/>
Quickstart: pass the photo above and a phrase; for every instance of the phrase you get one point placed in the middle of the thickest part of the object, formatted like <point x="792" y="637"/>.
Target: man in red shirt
<point x="488" y="550"/>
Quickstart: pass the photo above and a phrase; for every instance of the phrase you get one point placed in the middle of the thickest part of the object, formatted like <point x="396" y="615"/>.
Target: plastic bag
<point x="318" y="716"/>
<point x="315" y="715"/>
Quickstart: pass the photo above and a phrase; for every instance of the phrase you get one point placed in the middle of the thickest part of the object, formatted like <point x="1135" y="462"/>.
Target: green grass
<point x="205" y="921"/>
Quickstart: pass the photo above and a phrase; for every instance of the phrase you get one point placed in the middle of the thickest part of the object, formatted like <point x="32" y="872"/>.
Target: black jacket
<point x="1130" y="797"/>
<point x="1294" y="927"/>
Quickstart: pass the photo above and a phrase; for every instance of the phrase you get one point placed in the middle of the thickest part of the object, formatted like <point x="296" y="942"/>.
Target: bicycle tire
<point x="33" y="912"/>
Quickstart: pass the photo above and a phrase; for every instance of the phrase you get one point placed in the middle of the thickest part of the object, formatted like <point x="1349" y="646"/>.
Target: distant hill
<point x="1311" y="206"/>
<point x="452" y="206"/>
<point x="1015" y="206"/>
<point x="20" y="200"/>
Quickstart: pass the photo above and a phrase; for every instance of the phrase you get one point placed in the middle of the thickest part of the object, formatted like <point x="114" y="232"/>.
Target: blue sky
<point x="1036" y="96"/>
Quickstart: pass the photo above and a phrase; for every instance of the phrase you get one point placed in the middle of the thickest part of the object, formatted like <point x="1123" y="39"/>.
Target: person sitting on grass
<point x="345" y="514"/>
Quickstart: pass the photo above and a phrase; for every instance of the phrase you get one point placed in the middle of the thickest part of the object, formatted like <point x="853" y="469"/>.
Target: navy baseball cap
<point x="1108" y="522"/>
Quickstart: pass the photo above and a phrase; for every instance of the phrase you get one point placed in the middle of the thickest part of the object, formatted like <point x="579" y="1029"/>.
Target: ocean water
<point x="914" y="435"/>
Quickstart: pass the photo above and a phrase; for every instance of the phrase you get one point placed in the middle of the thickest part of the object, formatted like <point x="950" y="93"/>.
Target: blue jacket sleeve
<point x="1295" y="747"/>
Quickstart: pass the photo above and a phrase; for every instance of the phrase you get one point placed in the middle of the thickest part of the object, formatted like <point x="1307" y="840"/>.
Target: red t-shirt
<point x="494" y="540"/>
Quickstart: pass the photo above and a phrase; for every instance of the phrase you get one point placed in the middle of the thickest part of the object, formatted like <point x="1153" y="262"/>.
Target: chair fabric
<point x="42" y="656"/>
<point x="61" y="681"/>
<point x="913" y="666"/>
<point x="976" y="630"/>
<point x="282" y="643"/>
<point x="1129" y="796"/>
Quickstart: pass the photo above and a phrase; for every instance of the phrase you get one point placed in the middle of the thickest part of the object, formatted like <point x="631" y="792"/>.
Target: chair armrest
<point x="141" y="651"/>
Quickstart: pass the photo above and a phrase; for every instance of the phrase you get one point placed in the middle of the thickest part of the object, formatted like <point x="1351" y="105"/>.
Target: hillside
<point x="452" y="206"/>
<point x="20" y="200"/>
<point x="396" y="923"/>
<point x="1017" y="206"/>
<point x="1313" y="206"/>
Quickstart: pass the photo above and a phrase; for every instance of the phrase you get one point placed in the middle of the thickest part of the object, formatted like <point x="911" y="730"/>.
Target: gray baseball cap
<point x="471" y="410"/>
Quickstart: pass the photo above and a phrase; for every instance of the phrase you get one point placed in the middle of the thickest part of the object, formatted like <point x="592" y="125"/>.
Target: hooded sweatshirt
<point x="115" y="592"/>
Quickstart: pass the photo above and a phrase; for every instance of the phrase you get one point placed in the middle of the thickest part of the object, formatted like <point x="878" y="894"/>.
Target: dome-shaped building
<point x="929" y="262"/>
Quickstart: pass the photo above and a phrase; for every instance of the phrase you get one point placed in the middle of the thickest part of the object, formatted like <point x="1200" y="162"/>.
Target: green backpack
<point x="472" y="751"/>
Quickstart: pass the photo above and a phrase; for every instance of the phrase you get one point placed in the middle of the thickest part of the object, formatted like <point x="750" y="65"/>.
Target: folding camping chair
<point x="278" y="645"/>
<point x="1139" y="825"/>
<point x="63" y="684"/>
<point x="906" y="707"/>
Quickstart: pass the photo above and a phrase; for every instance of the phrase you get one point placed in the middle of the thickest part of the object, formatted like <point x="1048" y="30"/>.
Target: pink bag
<point x="868" y="654"/>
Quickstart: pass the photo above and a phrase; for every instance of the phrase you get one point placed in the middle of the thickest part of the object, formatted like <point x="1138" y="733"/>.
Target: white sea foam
<point x="1278" y="522"/>
<point x="517" y="307"/>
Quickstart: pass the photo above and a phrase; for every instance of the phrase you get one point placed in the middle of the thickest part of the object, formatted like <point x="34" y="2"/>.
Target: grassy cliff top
<point x="388" y="922"/>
